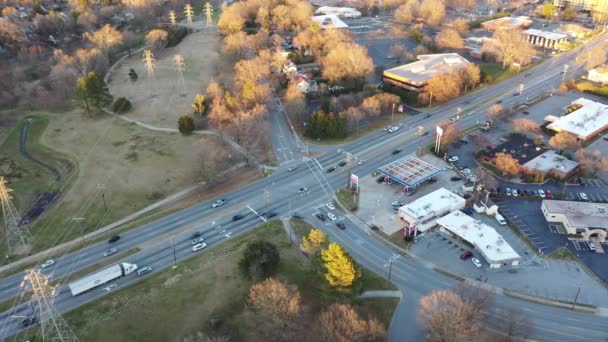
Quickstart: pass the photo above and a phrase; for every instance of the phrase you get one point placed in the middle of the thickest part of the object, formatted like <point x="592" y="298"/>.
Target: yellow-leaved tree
<point x="341" y="270"/>
<point x="313" y="242"/>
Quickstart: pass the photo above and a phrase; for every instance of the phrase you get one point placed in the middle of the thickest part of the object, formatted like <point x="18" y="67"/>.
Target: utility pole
<point x="16" y="231"/>
<point x="52" y="325"/>
<point x="393" y="113"/>
<point x="172" y="18"/>
<point x="179" y="66"/>
<point x="577" y="293"/>
<point x="266" y="197"/>
<point x="149" y="62"/>
<point x="208" y="10"/>
<point x="521" y="88"/>
<point x="565" y="71"/>
<point x="174" y="254"/>
<point x="103" y="195"/>
<point x="189" y="12"/>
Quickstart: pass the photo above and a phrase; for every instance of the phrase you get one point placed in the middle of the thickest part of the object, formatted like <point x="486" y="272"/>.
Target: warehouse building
<point x="588" y="119"/>
<point x="483" y="238"/>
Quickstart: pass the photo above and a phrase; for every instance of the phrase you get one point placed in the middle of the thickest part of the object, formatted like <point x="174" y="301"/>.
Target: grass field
<point x="562" y="253"/>
<point x="161" y="99"/>
<point x="175" y="304"/>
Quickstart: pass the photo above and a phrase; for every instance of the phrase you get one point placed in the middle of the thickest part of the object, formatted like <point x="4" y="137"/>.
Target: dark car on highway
<point x="237" y="217"/>
<point x="114" y="238"/>
<point x="331" y="169"/>
<point x="455" y="179"/>
<point x="270" y="214"/>
<point x="321" y="217"/>
<point x="28" y="322"/>
<point x="341" y="225"/>
<point x="342" y="163"/>
<point x="397" y="151"/>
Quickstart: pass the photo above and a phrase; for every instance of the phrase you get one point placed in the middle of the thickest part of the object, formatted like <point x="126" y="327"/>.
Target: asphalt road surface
<point x="412" y="277"/>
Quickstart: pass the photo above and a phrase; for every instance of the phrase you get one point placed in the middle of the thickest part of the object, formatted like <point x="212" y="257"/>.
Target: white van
<point x="592" y="246"/>
<point x="500" y="219"/>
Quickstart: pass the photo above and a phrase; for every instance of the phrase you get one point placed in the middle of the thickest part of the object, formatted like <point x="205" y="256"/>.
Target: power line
<point x="172" y="17"/>
<point x="208" y="10"/>
<point x="179" y="66"/>
<point x="189" y="12"/>
<point x="149" y="62"/>
<point x="17" y="233"/>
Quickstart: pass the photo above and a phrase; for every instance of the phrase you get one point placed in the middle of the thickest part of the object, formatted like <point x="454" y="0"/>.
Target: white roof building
<point x="483" y="238"/>
<point x="343" y="12"/>
<point x="329" y="21"/>
<point x="588" y="219"/>
<point x="423" y="213"/>
<point x="598" y="75"/>
<point x="585" y="122"/>
<point x="552" y="163"/>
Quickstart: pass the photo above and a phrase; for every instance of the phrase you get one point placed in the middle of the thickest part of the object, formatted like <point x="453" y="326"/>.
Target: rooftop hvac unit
<point x="418" y="69"/>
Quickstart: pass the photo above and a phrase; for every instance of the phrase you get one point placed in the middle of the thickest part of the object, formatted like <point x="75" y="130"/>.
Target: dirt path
<point x="28" y="156"/>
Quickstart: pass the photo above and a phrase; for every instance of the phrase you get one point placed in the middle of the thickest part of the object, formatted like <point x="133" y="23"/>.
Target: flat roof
<point x="580" y="214"/>
<point x="409" y="170"/>
<point x="509" y="22"/>
<point x="551" y="161"/>
<point x="583" y="122"/>
<point x="545" y="34"/>
<point x="485" y="238"/>
<point x="329" y="21"/>
<point x="426" y="67"/>
<point x="346" y="11"/>
<point x="433" y="202"/>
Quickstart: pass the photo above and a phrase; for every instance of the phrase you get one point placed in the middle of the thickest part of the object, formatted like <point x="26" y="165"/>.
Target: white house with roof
<point x="598" y="75"/>
<point x="589" y="120"/>
<point x="422" y="214"/>
<point x="341" y="12"/>
<point x="484" y="238"/>
<point x="414" y="76"/>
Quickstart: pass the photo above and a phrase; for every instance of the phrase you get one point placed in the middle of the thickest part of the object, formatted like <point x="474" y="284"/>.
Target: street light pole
<point x="390" y="268"/>
<point x="576" y="297"/>
<point x="174" y="254"/>
<point x="393" y="113"/>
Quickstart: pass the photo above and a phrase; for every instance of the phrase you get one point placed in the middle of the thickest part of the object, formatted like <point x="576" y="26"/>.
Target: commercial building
<point x="551" y="164"/>
<point x="422" y="214"/>
<point x="506" y="23"/>
<point x="586" y="220"/>
<point x="589" y="120"/>
<point x="583" y="5"/>
<point x="483" y="238"/>
<point x="414" y="76"/>
<point x="546" y="39"/>
<point x="329" y="21"/>
<point x="341" y="12"/>
<point x="598" y="75"/>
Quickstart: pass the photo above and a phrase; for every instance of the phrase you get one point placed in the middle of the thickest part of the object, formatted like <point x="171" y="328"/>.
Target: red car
<point x="490" y="147"/>
<point x="466" y="255"/>
<point x="548" y="193"/>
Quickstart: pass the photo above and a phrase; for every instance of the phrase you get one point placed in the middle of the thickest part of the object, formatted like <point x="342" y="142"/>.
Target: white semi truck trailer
<point x="101" y="277"/>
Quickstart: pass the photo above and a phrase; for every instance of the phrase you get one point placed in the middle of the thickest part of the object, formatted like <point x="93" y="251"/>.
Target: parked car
<point x="48" y="263"/>
<point x="297" y="216"/>
<point x="397" y="204"/>
<point x="198" y="247"/>
<point x="500" y="219"/>
<point x="581" y="181"/>
<point x="541" y="193"/>
<point x="508" y="191"/>
<point x="476" y="262"/>
<point x="321" y="217"/>
<point x="197" y="240"/>
<point x="432" y="180"/>
<point x="114" y="238"/>
<point x="332" y="216"/>
<point x="330" y="206"/>
<point x="380" y="179"/>
<point x="110" y="251"/>
<point x="592" y="246"/>
<point x="584" y="196"/>
<point x="455" y="179"/>
<point x="468" y="211"/>
<point x="293" y="168"/>
<point x="302" y="189"/>
<point x="218" y="203"/>
<point x="453" y="159"/>
<point x="548" y="193"/>
<point x="341" y="225"/>
<point x="410" y="192"/>
<point x="466" y="255"/>
<point x="144" y="270"/>
<point x="526" y="112"/>
<point x="514" y="192"/>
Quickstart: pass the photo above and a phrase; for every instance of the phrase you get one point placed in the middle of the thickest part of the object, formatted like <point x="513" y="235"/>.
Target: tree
<point x="347" y="61"/>
<point x="459" y="24"/>
<point x="595" y="58"/>
<point x="11" y="35"/>
<point x="252" y="70"/>
<point x="294" y="102"/>
<point x="156" y="37"/>
<point x="85" y="61"/>
<point x="592" y="160"/>
<point x="442" y="87"/>
<point x="564" y="141"/>
<point x="507" y="164"/>
<point x="313" y="242"/>
<point x="515" y="324"/>
<point x="397" y="51"/>
<point x="341" y="323"/>
<point x="341" y="271"/>
<point x="569" y="14"/>
<point x="236" y="44"/>
<point x="485" y="178"/>
<point x="231" y="20"/>
<point x="185" y="124"/>
<point x="508" y="47"/>
<point x="447" y="317"/>
<point x="199" y="104"/>
<point x="547" y="10"/>
<point x="260" y="260"/>
<point x="451" y="132"/>
<point x="277" y="307"/>
<point x="449" y="38"/>
<point x="407" y="12"/>
<point x="371" y="106"/>
<point x="495" y="112"/>
<point x="92" y="92"/>
<point x="432" y="11"/>
<point x="525" y="125"/>
<point x="106" y="38"/>
<point x="470" y="75"/>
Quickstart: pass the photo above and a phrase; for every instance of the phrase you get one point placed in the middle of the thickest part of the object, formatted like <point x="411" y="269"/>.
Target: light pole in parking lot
<point x="577" y="293"/>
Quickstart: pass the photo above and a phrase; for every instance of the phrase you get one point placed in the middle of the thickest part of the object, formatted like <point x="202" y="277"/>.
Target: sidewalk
<point x="381" y="294"/>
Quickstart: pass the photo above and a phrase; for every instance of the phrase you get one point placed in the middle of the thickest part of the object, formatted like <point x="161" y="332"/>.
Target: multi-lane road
<point x="414" y="278"/>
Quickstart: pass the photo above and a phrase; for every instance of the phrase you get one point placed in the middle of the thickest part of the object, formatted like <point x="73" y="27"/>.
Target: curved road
<point x="412" y="277"/>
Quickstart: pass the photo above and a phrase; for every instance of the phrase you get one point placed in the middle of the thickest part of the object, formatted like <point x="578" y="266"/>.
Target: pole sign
<point x="439" y="131"/>
<point x="354" y="181"/>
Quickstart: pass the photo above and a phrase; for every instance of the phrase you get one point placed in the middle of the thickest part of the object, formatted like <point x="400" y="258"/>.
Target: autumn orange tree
<point x="506" y="163"/>
<point x="564" y="141"/>
<point x="341" y="270"/>
<point x="525" y="125"/>
<point x="347" y="62"/>
<point x="341" y="323"/>
<point x="313" y="242"/>
<point x="106" y="38"/>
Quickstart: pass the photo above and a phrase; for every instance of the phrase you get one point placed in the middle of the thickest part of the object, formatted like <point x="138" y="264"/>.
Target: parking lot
<point x="375" y="204"/>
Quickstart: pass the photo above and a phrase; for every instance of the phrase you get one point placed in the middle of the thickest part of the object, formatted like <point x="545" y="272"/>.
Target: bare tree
<point x="11" y="35"/>
<point x="397" y="51"/>
<point x="507" y="164"/>
<point x="156" y="38"/>
<point x="432" y="11"/>
<point x="495" y="112"/>
<point x="485" y="178"/>
<point x="459" y="24"/>
<point x="564" y="141"/>
<point x="347" y="61"/>
<point x="212" y="154"/>
<point x="516" y="325"/>
<point x="341" y="323"/>
<point x="595" y="58"/>
<point x="371" y="106"/>
<point x="470" y="75"/>
<point x="277" y="307"/>
<point x="508" y="47"/>
<point x="85" y="61"/>
<point x="525" y="125"/>
<point x="480" y="140"/>
<point x="449" y="38"/>
<point x="592" y="160"/>
<point x="295" y="103"/>
<point x="407" y="12"/>
<point x="451" y="131"/>
<point x="442" y="87"/>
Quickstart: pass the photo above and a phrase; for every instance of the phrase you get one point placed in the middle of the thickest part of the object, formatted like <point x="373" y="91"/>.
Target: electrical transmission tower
<point x="208" y="10"/>
<point x="16" y="232"/>
<point x="53" y="326"/>
<point x="189" y="13"/>
<point x="172" y="18"/>
<point x="179" y="66"/>
<point x="149" y="61"/>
